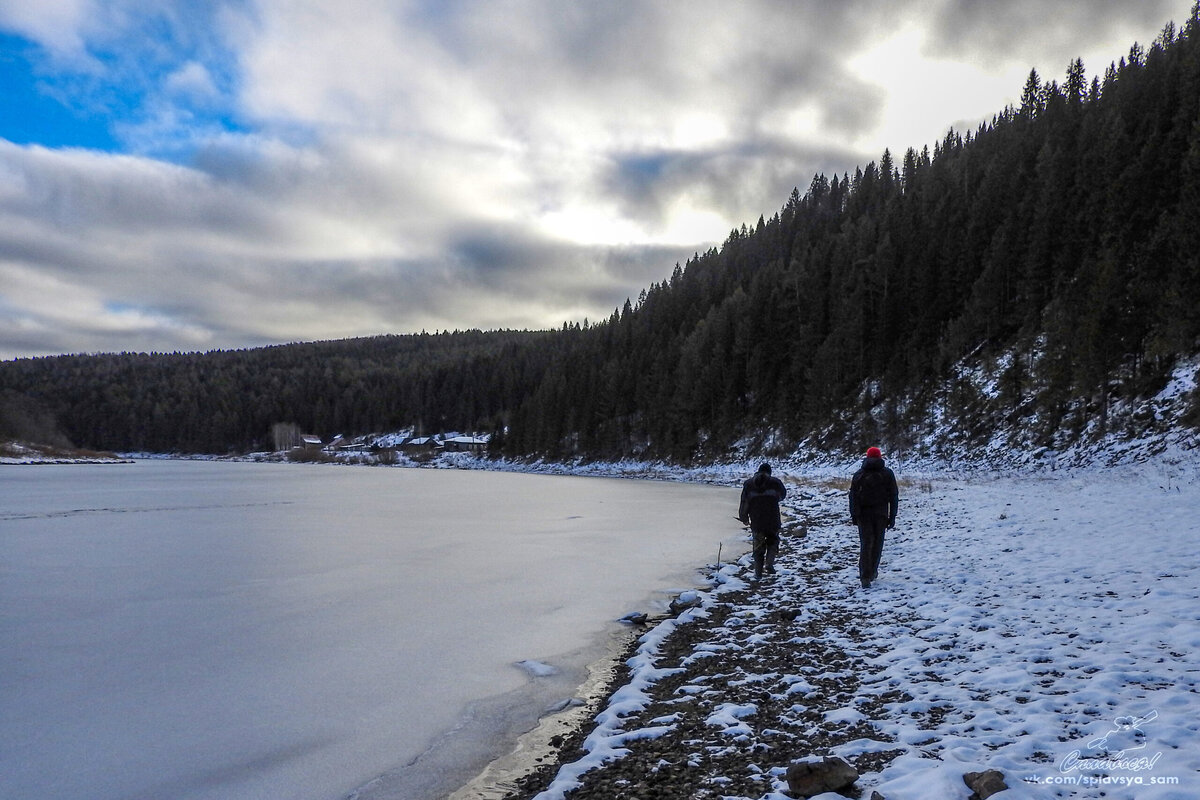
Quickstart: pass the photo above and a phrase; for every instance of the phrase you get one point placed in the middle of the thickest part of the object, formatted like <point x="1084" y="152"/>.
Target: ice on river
<point x="218" y="630"/>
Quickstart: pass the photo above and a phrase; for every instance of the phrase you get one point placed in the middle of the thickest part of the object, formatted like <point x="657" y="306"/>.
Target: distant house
<point x="466" y="444"/>
<point x="340" y="442"/>
<point x="310" y="442"/>
<point x="422" y="444"/>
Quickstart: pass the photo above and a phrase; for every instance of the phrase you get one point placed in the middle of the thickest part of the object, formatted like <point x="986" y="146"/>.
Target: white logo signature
<point x="1122" y="748"/>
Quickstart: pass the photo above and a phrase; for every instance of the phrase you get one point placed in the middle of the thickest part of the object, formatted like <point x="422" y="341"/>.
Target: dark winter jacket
<point x="760" y="502"/>
<point x="860" y="503"/>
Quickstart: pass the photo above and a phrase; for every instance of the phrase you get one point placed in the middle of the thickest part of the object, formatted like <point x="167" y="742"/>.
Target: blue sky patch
<point x="159" y="87"/>
<point x="32" y="107"/>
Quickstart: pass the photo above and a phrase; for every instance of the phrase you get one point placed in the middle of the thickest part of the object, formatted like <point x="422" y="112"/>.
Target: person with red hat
<point x="874" y="497"/>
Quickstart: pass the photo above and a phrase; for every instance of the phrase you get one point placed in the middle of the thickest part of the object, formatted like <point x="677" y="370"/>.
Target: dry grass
<point x="306" y="456"/>
<point x="843" y="484"/>
<point x="822" y="484"/>
<point x="27" y="451"/>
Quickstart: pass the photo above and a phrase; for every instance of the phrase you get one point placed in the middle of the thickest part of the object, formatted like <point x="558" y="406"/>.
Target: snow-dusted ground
<point x="1029" y="619"/>
<point x="1044" y="625"/>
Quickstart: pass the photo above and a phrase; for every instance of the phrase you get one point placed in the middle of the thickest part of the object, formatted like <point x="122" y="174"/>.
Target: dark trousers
<point x="766" y="547"/>
<point x="870" y="538"/>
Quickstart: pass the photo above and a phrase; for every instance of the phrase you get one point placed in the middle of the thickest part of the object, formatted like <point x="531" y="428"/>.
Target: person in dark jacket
<point x="760" y="510"/>
<point x="874" y="497"/>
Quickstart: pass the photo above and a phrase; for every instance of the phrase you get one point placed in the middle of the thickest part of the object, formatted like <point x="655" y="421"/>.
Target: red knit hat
<point x="874" y="452"/>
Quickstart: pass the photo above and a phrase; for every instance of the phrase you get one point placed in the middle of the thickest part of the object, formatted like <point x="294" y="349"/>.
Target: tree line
<point x="1060" y="239"/>
<point x="228" y="401"/>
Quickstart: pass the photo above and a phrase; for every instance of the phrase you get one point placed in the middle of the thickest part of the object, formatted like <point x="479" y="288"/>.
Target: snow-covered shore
<point x="1042" y="624"/>
<point x="24" y="453"/>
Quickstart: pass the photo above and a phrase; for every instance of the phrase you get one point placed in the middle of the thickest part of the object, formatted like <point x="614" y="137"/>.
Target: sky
<point x="223" y="174"/>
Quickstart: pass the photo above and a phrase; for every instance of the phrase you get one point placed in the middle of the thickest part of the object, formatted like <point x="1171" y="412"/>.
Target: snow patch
<point x="538" y="669"/>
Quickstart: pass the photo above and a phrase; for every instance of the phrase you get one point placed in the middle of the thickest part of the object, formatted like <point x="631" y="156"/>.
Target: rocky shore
<point x="737" y="687"/>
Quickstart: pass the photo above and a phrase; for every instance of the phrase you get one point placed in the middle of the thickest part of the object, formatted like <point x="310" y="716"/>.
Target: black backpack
<point x="873" y="490"/>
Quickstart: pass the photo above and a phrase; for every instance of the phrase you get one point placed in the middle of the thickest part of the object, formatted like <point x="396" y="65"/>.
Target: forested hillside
<point x="1062" y="240"/>
<point x="227" y="401"/>
<point x="1058" y="245"/>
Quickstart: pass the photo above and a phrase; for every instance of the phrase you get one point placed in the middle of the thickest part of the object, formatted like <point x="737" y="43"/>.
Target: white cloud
<point x="193" y="82"/>
<point x="55" y="24"/>
<point x="494" y="164"/>
<point x="917" y="89"/>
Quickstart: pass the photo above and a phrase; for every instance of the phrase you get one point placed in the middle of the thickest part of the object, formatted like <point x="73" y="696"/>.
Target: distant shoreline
<point x="23" y="454"/>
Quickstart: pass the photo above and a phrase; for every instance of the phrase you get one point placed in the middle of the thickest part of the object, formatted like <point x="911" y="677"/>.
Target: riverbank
<point x="1025" y="624"/>
<point x="27" y="453"/>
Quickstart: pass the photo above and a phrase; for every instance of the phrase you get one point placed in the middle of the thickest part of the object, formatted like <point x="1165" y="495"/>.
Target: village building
<point x="422" y="444"/>
<point x="466" y="444"/>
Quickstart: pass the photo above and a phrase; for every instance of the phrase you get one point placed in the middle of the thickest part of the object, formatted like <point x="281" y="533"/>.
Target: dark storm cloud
<point x="1025" y="30"/>
<point x="751" y="174"/>
<point x="511" y="261"/>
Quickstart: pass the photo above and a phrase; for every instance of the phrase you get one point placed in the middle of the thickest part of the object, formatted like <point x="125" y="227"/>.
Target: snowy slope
<point x="1000" y="433"/>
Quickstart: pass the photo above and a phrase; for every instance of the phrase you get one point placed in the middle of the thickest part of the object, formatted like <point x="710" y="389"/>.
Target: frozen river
<point x="225" y="630"/>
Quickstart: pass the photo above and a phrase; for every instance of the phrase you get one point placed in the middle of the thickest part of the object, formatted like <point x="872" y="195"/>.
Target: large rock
<point x="985" y="784"/>
<point x="809" y="778"/>
<point x="686" y="600"/>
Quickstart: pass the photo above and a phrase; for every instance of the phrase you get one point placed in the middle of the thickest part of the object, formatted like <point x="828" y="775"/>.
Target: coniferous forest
<point x="1060" y="243"/>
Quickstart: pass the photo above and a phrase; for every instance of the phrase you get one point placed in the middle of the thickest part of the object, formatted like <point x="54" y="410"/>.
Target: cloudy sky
<point x="203" y="174"/>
